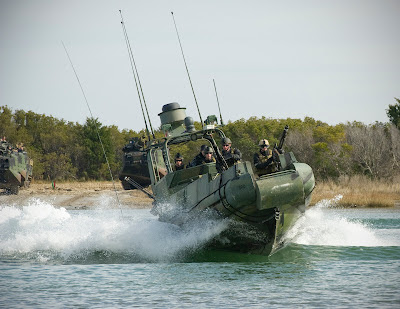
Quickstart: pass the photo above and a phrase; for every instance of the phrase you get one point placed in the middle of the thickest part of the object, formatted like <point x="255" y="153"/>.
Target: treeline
<point x="67" y="150"/>
<point x="332" y="151"/>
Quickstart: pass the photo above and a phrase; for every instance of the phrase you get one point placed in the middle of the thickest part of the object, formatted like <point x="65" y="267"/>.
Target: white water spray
<point x="325" y="225"/>
<point x="40" y="227"/>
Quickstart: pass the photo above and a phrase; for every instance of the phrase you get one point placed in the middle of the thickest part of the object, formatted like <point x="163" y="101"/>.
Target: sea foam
<point x="325" y="225"/>
<point x="40" y="229"/>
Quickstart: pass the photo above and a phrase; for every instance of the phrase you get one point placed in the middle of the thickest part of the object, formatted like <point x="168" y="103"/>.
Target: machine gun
<point x="278" y="148"/>
<point x="282" y="140"/>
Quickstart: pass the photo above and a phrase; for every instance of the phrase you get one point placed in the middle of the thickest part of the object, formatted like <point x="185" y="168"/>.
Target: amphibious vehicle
<point x="15" y="168"/>
<point x="134" y="164"/>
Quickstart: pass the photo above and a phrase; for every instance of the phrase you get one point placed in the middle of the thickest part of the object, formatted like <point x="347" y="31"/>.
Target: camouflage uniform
<point x="264" y="163"/>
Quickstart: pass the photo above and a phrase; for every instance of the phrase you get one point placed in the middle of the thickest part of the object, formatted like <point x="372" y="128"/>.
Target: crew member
<point x="205" y="156"/>
<point x="230" y="155"/>
<point x="20" y="147"/>
<point x="263" y="160"/>
<point x="208" y="155"/>
<point x="178" y="162"/>
<point x="199" y="158"/>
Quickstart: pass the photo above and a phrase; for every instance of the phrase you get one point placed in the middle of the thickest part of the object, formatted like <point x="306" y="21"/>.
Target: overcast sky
<point x="335" y="61"/>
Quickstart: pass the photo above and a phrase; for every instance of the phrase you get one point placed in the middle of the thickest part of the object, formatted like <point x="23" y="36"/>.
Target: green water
<point x="52" y="257"/>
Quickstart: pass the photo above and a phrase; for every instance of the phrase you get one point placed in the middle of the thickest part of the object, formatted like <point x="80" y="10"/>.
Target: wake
<point x="324" y="225"/>
<point x="42" y="232"/>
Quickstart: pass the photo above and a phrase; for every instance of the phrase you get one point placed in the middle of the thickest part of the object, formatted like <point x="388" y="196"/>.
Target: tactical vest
<point x="270" y="168"/>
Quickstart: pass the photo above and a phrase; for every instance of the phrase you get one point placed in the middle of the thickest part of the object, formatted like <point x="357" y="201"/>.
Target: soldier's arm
<point x="237" y="155"/>
<point x="259" y="165"/>
<point x="268" y="162"/>
<point x="192" y="163"/>
<point x="257" y="162"/>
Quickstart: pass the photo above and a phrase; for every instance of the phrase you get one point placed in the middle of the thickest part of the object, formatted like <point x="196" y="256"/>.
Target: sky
<point x="335" y="61"/>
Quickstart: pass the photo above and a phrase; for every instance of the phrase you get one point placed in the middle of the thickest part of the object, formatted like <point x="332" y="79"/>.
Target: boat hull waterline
<point x="260" y="210"/>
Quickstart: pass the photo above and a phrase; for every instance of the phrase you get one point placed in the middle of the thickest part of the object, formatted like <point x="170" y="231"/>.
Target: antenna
<point x="135" y="73"/>
<point x="216" y="94"/>
<point x="187" y="70"/>
<point x="97" y="129"/>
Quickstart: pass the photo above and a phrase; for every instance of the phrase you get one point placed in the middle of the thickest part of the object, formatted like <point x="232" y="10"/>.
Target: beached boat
<point x="260" y="210"/>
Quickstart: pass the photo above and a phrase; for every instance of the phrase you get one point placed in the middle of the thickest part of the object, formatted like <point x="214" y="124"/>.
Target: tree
<point x="7" y="126"/>
<point x="66" y="150"/>
<point x="93" y="149"/>
<point x="301" y="144"/>
<point x="371" y="149"/>
<point x="394" y="135"/>
<point x="393" y="112"/>
<point x="58" y="166"/>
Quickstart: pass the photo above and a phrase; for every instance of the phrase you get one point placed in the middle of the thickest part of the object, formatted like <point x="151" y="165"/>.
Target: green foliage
<point x="329" y="134"/>
<point x="393" y="112"/>
<point x="66" y="150"/>
<point x="93" y="155"/>
<point x="245" y="135"/>
<point x="7" y="126"/>
<point x="58" y="166"/>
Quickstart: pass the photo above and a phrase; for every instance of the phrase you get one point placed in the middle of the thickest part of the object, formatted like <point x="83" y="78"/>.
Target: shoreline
<point x="79" y="195"/>
<point x="350" y="193"/>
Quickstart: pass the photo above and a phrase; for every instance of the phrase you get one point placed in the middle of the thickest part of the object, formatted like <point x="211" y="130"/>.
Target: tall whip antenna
<point x="216" y="94"/>
<point x="184" y="60"/>
<point x="97" y="129"/>
<point x="134" y="72"/>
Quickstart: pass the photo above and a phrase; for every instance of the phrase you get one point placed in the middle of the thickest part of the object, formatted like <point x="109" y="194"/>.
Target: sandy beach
<point x="79" y="195"/>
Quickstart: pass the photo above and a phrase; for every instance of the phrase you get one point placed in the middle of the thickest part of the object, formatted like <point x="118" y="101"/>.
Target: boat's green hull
<point x="261" y="210"/>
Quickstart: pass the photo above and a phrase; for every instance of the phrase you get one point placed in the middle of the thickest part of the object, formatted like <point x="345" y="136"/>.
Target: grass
<point x="359" y="191"/>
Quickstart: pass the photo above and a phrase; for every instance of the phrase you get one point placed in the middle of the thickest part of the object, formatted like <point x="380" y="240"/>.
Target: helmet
<point x="263" y="142"/>
<point x="208" y="149"/>
<point x="226" y="140"/>
<point x="178" y="156"/>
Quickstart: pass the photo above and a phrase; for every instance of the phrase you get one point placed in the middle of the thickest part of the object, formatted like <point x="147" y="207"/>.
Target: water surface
<point x="53" y="257"/>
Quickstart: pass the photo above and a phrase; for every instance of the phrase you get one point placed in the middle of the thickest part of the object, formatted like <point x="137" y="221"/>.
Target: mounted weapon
<point x="278" y="148"/>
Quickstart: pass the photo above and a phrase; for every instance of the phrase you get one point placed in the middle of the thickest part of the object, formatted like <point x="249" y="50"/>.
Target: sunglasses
<point x="226" y="145"/>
